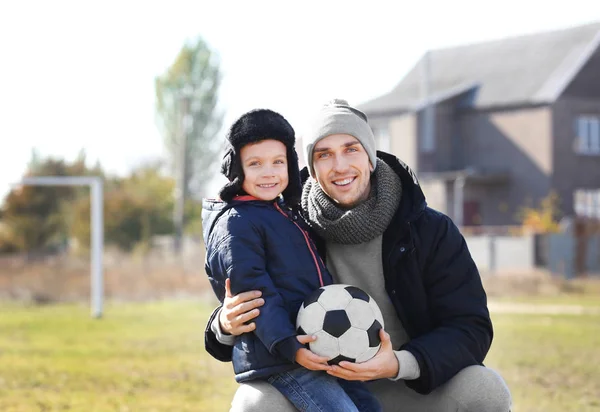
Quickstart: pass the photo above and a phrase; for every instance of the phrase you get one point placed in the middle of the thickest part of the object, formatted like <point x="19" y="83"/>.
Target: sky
<point x="79" y="75"/>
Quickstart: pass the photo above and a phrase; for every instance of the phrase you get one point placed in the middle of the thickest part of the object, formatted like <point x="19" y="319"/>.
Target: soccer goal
<point x="95" y="184"/>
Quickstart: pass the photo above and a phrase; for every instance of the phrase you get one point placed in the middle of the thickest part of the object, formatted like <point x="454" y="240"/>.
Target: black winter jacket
<point x="433" y="284"/>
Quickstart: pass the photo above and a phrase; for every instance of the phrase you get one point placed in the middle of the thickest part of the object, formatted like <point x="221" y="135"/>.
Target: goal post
<point x="95" y="184"/>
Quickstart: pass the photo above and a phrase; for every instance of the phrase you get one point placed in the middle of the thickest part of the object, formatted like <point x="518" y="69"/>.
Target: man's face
<point x="342" y="169"/>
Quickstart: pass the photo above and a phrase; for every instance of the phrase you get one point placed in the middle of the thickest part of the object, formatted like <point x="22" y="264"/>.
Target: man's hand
<point x="239" y="309"/>
<point x="308" y="359"/>
<point x="382" y="365"/>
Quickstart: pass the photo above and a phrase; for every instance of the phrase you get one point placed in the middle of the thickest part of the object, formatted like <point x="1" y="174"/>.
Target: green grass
<point x="584" y="300"/>
<point x="140" y="357"/>
<point x="550" y="362"/>
<point x="150" y="357"/>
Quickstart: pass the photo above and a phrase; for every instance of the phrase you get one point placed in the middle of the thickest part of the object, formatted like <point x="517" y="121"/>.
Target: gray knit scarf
<point x="360" y="224"/>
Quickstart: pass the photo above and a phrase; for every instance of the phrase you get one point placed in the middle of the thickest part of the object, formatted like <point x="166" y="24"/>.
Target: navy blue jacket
<point x="262" y="246"/>
<point x="433" y="283"/>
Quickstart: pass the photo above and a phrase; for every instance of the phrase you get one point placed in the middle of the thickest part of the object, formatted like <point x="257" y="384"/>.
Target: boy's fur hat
<point x="253" y="127"/>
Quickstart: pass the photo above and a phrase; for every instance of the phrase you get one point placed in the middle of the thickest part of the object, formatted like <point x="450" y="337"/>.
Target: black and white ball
<point x="346" y="322"/>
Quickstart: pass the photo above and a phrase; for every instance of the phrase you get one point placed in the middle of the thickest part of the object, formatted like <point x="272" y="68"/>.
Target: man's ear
<point x="371" y="168"/>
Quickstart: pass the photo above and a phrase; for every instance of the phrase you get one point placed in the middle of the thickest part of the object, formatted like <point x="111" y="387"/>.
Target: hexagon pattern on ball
<point x="360" y="314"/>
<point x="368" y="354"/>
<point x="327" y="345"/>
<point x="353" y="343"/>
<point x="311" y="318"/>
<point x="335" y="297"/>
<point x="376" y="311"/>
<point x="346" y="322"/>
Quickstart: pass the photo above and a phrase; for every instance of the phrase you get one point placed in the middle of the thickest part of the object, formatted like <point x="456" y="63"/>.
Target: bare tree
<point x="188" y="117"/>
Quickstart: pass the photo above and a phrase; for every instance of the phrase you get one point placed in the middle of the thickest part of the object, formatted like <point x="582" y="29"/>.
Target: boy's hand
<point x="309" y="359"/>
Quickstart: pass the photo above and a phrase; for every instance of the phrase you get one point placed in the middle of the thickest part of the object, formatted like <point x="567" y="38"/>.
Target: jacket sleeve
<point x="462" y="329"/>
<point x="215" y="348"/>
<point x="241" y="257"/>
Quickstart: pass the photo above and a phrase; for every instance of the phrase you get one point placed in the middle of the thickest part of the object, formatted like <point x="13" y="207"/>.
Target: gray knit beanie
<point x="338" y="117"/>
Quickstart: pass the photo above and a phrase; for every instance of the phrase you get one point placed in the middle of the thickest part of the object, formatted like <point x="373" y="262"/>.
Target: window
<point x="587" y="140"/>
<point x="587" y="202"/>
<point x="428" y="129"/>
<point x="382" y="138"/>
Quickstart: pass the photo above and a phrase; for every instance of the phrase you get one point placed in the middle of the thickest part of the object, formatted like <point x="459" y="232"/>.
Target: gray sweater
<point x="361" y="265"/>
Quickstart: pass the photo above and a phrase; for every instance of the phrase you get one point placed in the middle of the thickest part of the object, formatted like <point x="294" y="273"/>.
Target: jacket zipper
<point x="307" y="240"/>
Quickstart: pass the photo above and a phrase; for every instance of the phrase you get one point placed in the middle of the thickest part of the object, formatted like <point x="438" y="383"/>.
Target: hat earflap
<point x="232" y="170"/>
<point x="293" y="192"/>
<point x="232" y="189"/>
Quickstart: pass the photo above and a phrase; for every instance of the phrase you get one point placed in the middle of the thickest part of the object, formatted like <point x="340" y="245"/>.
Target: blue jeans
<point x="311" y="391"/>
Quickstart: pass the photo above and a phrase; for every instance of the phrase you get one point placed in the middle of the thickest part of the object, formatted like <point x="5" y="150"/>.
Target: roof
<point x="528" y="69"/>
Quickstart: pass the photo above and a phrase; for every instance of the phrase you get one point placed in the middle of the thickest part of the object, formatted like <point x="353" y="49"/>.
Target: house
<point x="492" y="126"/>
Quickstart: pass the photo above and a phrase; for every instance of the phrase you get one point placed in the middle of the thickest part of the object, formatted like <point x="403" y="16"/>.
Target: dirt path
<point x="530" y="308"/>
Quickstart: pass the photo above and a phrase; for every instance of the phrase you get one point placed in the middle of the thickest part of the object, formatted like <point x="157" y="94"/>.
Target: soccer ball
<point x="346" y="322"/>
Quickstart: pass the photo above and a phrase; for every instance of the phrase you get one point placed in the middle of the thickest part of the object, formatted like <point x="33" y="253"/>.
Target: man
<point x="374" y="230"/>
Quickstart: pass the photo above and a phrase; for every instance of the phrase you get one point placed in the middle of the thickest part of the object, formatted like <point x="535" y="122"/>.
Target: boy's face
<point x="265" y="169"/>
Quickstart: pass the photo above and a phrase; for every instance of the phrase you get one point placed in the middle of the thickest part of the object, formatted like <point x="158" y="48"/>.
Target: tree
<point x="35" y="216"/>
<point x="135" y="208"/>
<point x="187" y="114"/>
